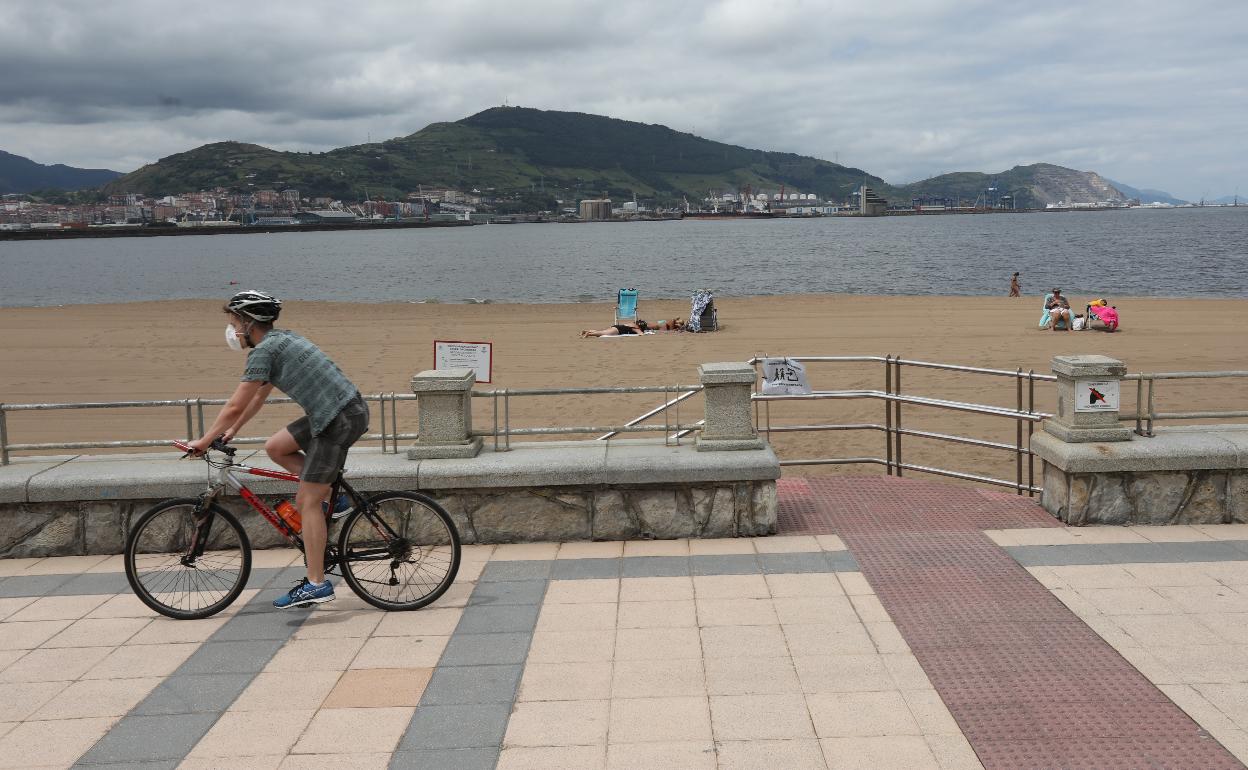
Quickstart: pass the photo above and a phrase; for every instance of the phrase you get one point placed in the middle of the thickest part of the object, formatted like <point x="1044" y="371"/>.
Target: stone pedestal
<point x="1087" y="400"/>
<point x="729" y="424"/>
<point x="445" y="398"/>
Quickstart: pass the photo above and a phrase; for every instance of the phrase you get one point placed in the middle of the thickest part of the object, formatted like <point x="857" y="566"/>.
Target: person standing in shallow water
<point x="1015" y="289"/>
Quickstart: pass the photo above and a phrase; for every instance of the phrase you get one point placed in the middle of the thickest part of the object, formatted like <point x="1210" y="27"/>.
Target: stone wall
<point x="1158" y="497"/>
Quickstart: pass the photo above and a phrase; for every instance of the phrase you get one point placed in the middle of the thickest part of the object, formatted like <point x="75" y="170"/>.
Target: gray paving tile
<point x="794" y="562"/>
<point x="194" y="694"/>
<point x="537" y="569"/>
<point x="1193" y="552"/>
<point x="486" y="649"/>
<point x="841" y="561"/>
<point x="464" y="726"/>
<point x="150" y="738"/>
<point x="725" y="564"/>
<point x="258" y="623"/>
<point x="655" y="566"/>
<point x="1239" y="545"/>
<point x="96" y="583"/>
<point x="497" y="618"/>
<point x="34" y="585"/>
<point x="1126" y="553"/>
<point x="580" y="569"/>
<point x="446" y="759"/>
<point x="231" y="657"/>
<point x="264" y="576"/>
<point x="159" y="764"/>
<point x="509" y="592"/>
<point x="472" y="684"/>
<point x="1058" y="555"/>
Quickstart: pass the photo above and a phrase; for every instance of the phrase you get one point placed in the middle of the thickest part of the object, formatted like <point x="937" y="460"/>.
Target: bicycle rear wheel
<point x="187" y="566"/>
<point x="400" y="551"/>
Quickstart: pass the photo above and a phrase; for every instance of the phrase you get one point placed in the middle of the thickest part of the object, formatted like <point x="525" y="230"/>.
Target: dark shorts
<point x="622" y="329"/>
<point x="326" y="454"/>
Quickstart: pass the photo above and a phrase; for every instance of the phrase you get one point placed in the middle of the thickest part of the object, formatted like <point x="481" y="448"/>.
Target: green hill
<point x="22" y="175"/>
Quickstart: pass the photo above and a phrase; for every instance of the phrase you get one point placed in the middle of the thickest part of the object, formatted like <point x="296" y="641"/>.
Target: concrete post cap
<point x="1088" y="366"/>
<point x="434" y="380"/>
<point x="728" y="373"/>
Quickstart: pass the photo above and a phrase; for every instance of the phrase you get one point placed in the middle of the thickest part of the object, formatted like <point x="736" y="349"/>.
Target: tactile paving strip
<point x="1027" y="681"/>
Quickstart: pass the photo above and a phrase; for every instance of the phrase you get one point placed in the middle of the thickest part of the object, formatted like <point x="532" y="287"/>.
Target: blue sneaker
<point x="305" y="594"/>
<point x="342" y="506"/>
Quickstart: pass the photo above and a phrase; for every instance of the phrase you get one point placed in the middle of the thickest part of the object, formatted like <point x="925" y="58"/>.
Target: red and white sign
<point x="456" y="354"/>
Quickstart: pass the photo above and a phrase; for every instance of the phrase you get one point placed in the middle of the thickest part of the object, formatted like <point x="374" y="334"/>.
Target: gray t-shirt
<point x="302" y="371"/>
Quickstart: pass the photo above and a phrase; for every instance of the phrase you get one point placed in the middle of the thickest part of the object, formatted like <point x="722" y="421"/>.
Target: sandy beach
<point x="175" y="349"/>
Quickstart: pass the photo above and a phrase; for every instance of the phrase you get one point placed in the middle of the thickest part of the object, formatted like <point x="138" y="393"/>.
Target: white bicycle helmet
<point x="256" y="305"/>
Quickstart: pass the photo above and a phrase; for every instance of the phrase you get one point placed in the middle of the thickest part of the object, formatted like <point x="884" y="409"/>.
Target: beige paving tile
<point x="1171" y="533"/>
<point x="566" y="681"/>
<point x="58" y="608"/>
<point x="930" y="712"/>
<point x="18" y="700"/>
<point x="114" y="563"/>
<point x="807" y="584"/>
<point x="431" y="621"/>
<point x="164" y="630"/>
<point x="1075" y="601"/>
<point x="1128" y="601"/>
<point x="457" y="595"/>
<point x="861" y="714"/>
<point x="140" y="661"/>
<point x="9" y="657"/>
<point x="1236" y="742"/>
<point x="63" y="565"/>
<point x="887" y="637"/>
<point x="1150" y="666"/>
<point x="379" y="687"/>
<point x="800" y="754"/>
<point x="1224" y="531"/>
<point x="1166" y="630"/>
<point x="377" y="761"/>
<point x="97" y="698"/>
<point x="130" y="606"/>
<point x="906" y="671"/>
<point x="730" y="587"/>
<point x="1206" y="599"/>
<point x="1215" y="663"/>
<point x="59" y="665"/>
<point x="818" y="609"/>
<point x="720" y="546"/>
<point x="572" y="646"/>
<point x="5" y="727"/>
<point x="900" y="751"/>
<point x="1231" y="573"/>
<point x="1230" y="627"/>
<point x="590" y="550"/>
<point x="641" y="720"/>
<point x="1231" y="698"/>
<point x="656" y="644"/>
<point x="657" y="614"/>
<point x="787" y="544"/>
<point x="52" y="743"/>
<point x="1104" y="534"/>
<point x="331" y="730"/>
<point x="750" y="676"/>
<point x="1171" y="574"/>
<point x="656" y="548"/>
<point x="401" y="652"/>
<point x="854" y="583"/>
<point x="869" y="609"/>
<point x="830" y="542"/>
<point x="828" y="639"/>
<point x="651" y="589"/>
<point x="1098" y="576"/>
<point x="670" y="755"/>
<point x="316" y="655"/>
<point x="10" y="567"/>
<point x="545" y="757"/>
<point x="762" y="716"/>
<point x="558" y="723"/>
<point x="953" y="752"/>
<point x="12" y="605"/>
<point x="576" y="617"/>
<point x="470" y="570"/>
<point x="476" y="552"/>
<point x="524" y="551"/>
<point x="29" y="634"/>
<point x="842" y="673"/>
<point x="269" y="762"/>
<point x="348" y="624"/>
<point x="583" y="591"/>
<point x="272" y="691"/>
<point x="744" y="642"/>
<point x="1199" y="708"/>
<point x="657" y="679"/>
<point x="1031" y="536"/>
<point x="275" y="557"/>
<point x="98" y="632"/>
<point x="1108" y="628"/>
<point x="1047" y="577"/>
<point x="739" y="612"/>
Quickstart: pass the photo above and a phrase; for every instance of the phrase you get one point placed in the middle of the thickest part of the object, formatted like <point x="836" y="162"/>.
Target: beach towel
<point x="1106" y="315"/>
<point x="701" y="299"/>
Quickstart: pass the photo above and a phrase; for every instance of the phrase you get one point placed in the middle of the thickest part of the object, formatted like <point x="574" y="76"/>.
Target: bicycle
<point x="189" y="558"/>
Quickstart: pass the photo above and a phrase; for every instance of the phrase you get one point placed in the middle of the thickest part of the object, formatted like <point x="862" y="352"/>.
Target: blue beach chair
<point x="1044" y="317"/>
<point x="626" y="305"/>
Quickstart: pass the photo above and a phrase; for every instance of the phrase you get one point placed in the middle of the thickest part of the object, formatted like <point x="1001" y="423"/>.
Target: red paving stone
<point x="1027" y="681"/>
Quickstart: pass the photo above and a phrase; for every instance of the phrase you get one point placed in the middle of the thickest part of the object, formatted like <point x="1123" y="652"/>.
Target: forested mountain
<point x="22" y="175"/>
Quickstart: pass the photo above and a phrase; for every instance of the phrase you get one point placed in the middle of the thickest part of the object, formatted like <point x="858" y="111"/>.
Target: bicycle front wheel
<point x="187" y="564"/>
<point x="400" y="551"/>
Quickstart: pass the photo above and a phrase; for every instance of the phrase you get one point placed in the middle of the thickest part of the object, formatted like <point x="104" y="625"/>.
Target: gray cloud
<point x="1149" y="92"/>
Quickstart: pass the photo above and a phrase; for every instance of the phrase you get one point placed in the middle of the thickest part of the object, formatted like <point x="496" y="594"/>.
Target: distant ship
<point x="728" y="215"/>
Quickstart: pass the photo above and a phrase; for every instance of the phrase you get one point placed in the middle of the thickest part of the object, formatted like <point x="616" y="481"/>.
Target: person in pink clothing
<point x="1108" y="315"/>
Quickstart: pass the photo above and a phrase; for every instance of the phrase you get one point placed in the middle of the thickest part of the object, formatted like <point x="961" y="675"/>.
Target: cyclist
<point x="314" y="446"/>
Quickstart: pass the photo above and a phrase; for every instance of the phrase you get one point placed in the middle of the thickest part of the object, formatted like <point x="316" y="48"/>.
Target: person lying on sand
<point x="631" y="327"/>
<point x="674" y="325"/>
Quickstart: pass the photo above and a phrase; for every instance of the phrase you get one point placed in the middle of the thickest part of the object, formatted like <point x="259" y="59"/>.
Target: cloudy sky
<point x="1148" y="93"/>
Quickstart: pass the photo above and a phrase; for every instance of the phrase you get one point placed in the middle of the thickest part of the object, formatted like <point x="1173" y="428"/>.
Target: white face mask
<point x="231" y="338"/>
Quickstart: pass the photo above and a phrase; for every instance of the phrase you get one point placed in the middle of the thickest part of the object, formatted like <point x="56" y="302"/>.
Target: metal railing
<point x="1145" y="410"/>
<point x="671" y="431"/>
<point x="1024" y="414"/>
<point x="195" y="423"/>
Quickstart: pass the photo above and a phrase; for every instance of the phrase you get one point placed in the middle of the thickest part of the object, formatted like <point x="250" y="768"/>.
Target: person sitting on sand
<point x="630" y="327"/>
<point x="1058" y="309"/>
<point x="1015" y="289"/>
<point x="674" y="325"/>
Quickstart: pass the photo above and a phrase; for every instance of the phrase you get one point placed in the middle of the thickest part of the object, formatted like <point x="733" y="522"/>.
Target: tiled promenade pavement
<point x="783" y="652"/>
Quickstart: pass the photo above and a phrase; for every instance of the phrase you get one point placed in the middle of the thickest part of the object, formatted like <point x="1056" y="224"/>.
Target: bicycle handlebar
<point x="216" y="444"/>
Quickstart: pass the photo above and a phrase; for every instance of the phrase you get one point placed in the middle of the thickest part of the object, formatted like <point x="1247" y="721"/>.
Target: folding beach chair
<point x="702" y="314"/>
<point x="626" y="305"/>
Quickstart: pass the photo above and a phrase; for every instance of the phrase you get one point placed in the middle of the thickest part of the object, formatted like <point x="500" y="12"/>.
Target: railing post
<point x="726" y="388"/>
<point x="199" y="414"/>
<point x="381" y="408"/>
<point x="1031" y="426"/>
<point x="4" y="436"/>
<point x="1018" y="430"/>
<point x="888" y="414"/>
<point x="190" y="428"/>
<point x="1087" y="400"/>
<point x="394" y="421"/>
<point x="445" y="399"/>
<point x="897" y="413"/>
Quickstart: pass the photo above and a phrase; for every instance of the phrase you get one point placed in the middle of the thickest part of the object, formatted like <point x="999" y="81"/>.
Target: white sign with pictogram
<point x="453" y="354"/>
<point x="784" y="376"/>
<point x="1096" y="395"/>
